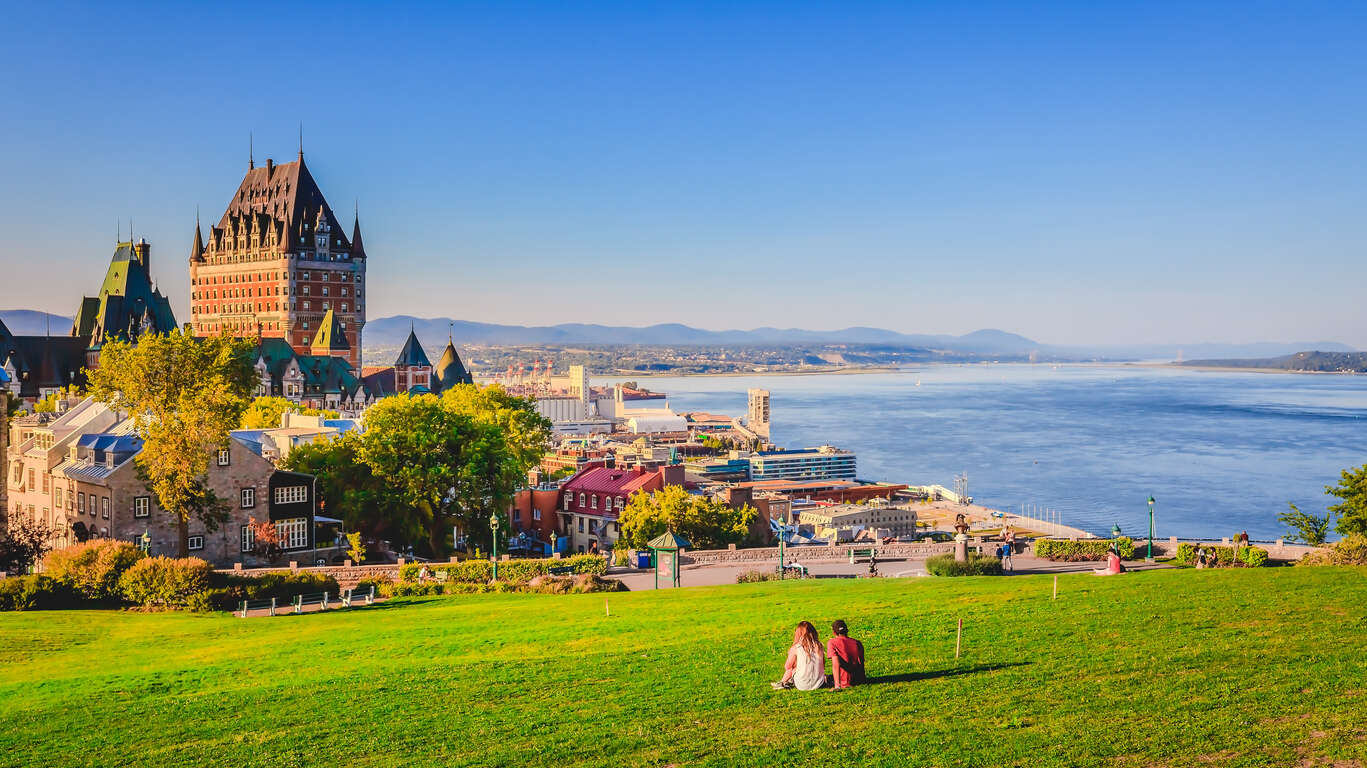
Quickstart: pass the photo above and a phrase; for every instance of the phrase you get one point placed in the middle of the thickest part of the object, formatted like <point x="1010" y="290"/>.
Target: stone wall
<point x="815" y="553"/>
<point x="346" y="576"/>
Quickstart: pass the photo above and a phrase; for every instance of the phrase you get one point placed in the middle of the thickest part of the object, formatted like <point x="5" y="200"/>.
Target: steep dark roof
<point x="450" y="370"/>
<point x="282" y="197"/>
<point x="357" y="248"/>
<point x="43" y="362"/>
<point x="197" y="248"/>
<point x="412" y="353"/>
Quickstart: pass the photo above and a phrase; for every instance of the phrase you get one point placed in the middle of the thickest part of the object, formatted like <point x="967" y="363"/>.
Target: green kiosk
<point x="669" y="543"/>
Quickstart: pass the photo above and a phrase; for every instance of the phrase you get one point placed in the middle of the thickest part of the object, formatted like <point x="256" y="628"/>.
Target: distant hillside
<point x="1323" y="362"/>
<point x="391" y="331"/>
<point x="31" y="322"/>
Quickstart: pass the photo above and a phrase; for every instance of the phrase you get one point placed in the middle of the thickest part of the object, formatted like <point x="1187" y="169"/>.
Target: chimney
<point x="142" y="250"/>
<point x="270" y="167"/>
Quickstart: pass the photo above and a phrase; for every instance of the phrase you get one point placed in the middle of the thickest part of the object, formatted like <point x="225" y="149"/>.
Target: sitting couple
<point x="805" y="668"/>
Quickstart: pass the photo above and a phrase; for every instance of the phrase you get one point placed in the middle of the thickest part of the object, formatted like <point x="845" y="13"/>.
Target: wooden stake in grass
<point x="606" y="610"/>
<point x="958" y="638"/>
<point x="1056" y="586"/>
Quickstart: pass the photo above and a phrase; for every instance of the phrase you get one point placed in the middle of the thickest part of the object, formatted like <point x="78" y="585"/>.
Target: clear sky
<point x="1075" y="172"/>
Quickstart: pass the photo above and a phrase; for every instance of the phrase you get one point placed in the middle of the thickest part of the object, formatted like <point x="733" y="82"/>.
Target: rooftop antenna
<point x="451" y="331"/>
<point x="251" y="151"/>
<point x="118" y="237"/>
<point x="301" y="139"/>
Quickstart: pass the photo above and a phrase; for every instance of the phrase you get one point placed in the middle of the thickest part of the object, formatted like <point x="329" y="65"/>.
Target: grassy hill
<point x="1172" y="668"/>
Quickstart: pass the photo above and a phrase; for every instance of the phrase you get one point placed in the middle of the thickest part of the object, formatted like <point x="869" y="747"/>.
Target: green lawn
<point x="1234" y="668"/>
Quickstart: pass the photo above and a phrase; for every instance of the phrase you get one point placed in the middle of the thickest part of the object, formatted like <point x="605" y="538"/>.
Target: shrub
<point x="1350" y="550"/>
<point x="165" y="581"/>
<point x="1223" y="556"/>
<point x="92" y="569"/>
<point x="36" y="593"/>
<point x="1082" y="549"/>
<point x="975" y="565"/>
<point x="754" y="575"/>
<point x="517" y="571"/>
<point x="214" y="599"/>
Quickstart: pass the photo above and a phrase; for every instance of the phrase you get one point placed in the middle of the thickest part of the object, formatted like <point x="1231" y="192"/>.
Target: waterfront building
<point x="757" y="412"/>
<point x="278" y="262"/>
<point x="592" y="501"/>
<point x="823" y="463"/>
<point x="847" y="522"/>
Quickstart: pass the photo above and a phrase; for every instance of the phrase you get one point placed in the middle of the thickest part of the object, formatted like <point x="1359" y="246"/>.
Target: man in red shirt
<point x="847" y="656"/>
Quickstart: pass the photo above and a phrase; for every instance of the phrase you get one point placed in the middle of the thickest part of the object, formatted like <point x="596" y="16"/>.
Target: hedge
<point x="1350" y="550"/>
<point x="92" y="569"/>
<point x="36" y="592"/>
<point x="1082" y="550"/>
<point x="975" y="565"/>
<point x="516" y="571"/>
<point x="548" y="585"/>
<point x="1224" y="556"/>
<point x="165" y="581"/>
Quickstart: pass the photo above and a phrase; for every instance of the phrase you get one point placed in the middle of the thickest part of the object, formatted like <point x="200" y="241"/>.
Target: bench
<point x="350" y="596"/>
<point x="858" y="553"/>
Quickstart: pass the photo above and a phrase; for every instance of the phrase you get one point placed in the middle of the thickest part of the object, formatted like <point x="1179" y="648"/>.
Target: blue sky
<point x="1075" y="172"/>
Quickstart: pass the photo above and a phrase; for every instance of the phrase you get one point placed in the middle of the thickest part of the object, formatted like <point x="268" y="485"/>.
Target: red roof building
<point x="592" y="501"/>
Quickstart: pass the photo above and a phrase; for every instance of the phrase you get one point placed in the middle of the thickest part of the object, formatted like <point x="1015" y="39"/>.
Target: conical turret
<point x="197" y="249"/>
<point x="357" y="249"/>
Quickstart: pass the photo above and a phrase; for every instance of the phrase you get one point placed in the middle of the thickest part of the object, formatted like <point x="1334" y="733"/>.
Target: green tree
<point x="351" y="492"/>
<point x="1352" y="510"/>
<point x="1302" y="526"/>
<point x="432" y="459"/>
<point x="184" y="395"/>
<point x="705" y="522"/>
<point x="525" y="431"/>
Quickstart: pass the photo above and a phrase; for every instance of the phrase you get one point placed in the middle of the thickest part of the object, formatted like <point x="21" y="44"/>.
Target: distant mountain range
<point x="31" y="322"/>
<point x="390" y="332"/>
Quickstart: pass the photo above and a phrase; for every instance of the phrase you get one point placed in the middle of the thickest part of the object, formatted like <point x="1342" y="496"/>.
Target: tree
<point x="1352" y="511"/>
<point x="351" y="492"/>
<point x="705" y="522"/>
<point x="23" y="544"/>
<point x="525" y="430"/>
<point x="184" y="395"/>
<point x="266" y="412"/>
<point x="355" y="548"/>
<point x="265" y="539"/>
<point x="1311" y="529"/>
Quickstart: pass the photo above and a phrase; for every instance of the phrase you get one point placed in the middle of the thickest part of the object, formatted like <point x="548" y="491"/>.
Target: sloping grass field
<point x="1255" y="667"/>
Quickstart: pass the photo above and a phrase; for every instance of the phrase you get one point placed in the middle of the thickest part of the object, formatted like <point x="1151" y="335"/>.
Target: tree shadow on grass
<point x="911" y="677"/>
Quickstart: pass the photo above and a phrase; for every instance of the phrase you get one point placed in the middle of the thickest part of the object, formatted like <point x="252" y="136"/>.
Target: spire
<point x="357" y="248"/>
<point x="251" y="151"/>
<point x="301" y="139"/>
<point x="197" y="249"/>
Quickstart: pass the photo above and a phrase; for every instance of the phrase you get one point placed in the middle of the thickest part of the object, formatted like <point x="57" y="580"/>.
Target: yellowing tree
<point x="184" y="395"/>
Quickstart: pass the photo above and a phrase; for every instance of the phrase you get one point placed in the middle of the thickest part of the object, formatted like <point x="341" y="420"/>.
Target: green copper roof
<point x="127" y="305"/>
<point x="668" y="540"/>
<point x="412" y="353"/>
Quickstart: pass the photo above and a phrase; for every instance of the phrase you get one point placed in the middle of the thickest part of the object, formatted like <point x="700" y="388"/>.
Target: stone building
<point x="76" y="473"/>
<point x="278" y="262"/>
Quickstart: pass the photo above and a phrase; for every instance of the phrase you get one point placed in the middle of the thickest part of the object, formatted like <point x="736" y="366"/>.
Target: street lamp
<point x="493" y="528"/>
<point x="1115" y="531"/>
<point x="1150" y="557"/>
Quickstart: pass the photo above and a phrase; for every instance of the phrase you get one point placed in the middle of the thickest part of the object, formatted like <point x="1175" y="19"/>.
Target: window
<point x="196" y="542"/>
<point x="581" y="524"/>
<point x="306" y="305"/>
<point x="594" y="499"/>
<point x="568" y="498"/>
<point x="536" y="514"/>
<point x="223" y="457"/>
<point x="104" y="507"/>
<point x="248" y="498"/>
<point x="31" y="484"/>
<point x="621" y="503"/>
<point x="294" y="533"/>
<point x="293" y="494"/>
<point x="582" y="499"/>
<point x="59" y="498"/>
<point x="80" y="504"/>
<point x="141" y="506"/>
<point x="46" y="483"/>
<point x="248" y="538"/>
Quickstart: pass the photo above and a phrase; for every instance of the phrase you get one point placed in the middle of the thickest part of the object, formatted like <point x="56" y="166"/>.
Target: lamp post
<point x="493" y="528"/>
<point x="1150" y="557"/>
<point x="782" y="529"/>
<point x="1115" y="531"/>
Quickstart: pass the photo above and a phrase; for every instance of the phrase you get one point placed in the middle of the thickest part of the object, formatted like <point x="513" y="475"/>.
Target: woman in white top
<point x="805" y="668"/>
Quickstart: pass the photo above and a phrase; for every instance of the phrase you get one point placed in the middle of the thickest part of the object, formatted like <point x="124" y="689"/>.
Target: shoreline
<point x="866" y="369"/>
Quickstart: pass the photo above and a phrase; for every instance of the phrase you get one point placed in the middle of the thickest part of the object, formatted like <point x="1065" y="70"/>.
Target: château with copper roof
<point x="278" y="264"/>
